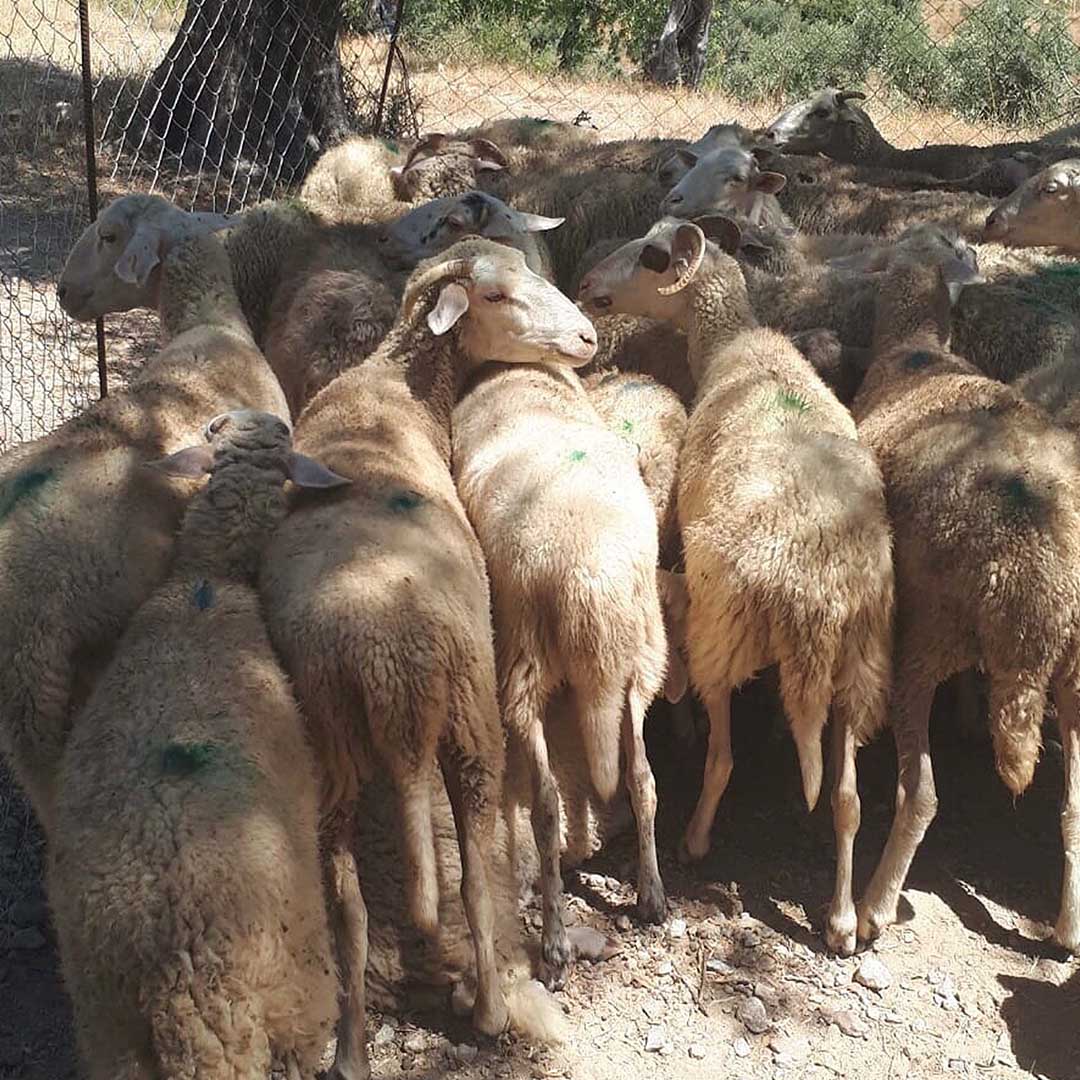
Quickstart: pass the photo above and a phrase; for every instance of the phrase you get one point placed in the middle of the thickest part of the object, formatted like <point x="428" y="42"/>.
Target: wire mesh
<point x="217" y="104"/>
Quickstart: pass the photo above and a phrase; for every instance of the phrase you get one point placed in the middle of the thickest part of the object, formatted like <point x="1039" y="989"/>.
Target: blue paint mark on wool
<point x="203" y="594"/>
<point x="183" y="759"/>
<point x="22" y="487"/>
<point x="918" y="360"/>
<point x="404" y="501"/>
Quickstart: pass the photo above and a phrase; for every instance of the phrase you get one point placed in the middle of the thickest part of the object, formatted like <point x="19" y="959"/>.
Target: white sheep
<point x="785" y="535"/>
<point x="1043" y="211"/>
<point x="184" y="871"/>
<point x="85" y="533"/>
<point x="982" y="490"/>
<point x="377" y="600"/>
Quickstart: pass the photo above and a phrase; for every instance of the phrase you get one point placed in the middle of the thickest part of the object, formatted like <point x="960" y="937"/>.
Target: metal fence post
<point x="398" y="15"/>
<point x="91" y="170"/>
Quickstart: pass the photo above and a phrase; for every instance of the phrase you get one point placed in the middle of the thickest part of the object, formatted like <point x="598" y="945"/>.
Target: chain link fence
<point x="215" y="103"/>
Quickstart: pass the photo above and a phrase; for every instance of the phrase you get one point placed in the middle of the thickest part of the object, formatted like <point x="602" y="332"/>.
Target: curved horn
<point x="208" y="431"/>
<point x="419" y="284"/>
<point x="850" y="95"/>
<point x="428" y="144"/>
<point x="687" y="275"/>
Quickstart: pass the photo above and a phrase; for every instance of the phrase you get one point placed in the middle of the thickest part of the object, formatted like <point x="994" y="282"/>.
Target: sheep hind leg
<point x="349" y="922"/>
<point x="842" y="922"/>
<point x="916" y="799"/>
<point x="1067" y="931"/>
<point x="473" y="788"/>
<point x="718" y="766"/>
<point x="523" y="714"/>
<point x="652" y="903"/>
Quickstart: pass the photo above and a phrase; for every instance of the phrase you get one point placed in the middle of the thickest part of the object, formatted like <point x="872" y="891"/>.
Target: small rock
<point x="466" y="1053"/>
<point x="846" y="1020"/>
<point x="654" y="1040"/>
<point x="768" y="994"/>
<point x="748" y="939"/>
<point x="384" y="1035"/>
<point x="741" y="1047"/>
<point x="696" y="1051"/>
<point x="791" y="1048"/>
<point x="892" y="1018"/>
<point x="666" y="968"/>
<point x="959" y="1065"/>
<point x="753" y="1016"/>
<point x="873" y="974"/>
<point x="718" y="967"/>
<point x="537" y="920"/>
<point x="907" y="937"/>
<point x="415" y="1043"/>
<point x="677" y="929"/>
<point x="623" y="924"/>
<point x="654" y="1010"/>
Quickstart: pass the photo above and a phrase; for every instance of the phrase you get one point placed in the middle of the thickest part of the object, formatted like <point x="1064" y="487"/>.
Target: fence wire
<point x="217" y="104"/>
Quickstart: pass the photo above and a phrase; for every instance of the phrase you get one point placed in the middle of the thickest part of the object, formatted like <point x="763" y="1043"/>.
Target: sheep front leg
<point x="523" y="714"/>
<point x="842" y="922"/>
<point x="718" y="766"/>
<point x="652" y="904"/>
<point x="349" y="921"/>
<point x="1067" y="931"/>
<point x="916" y="799"/>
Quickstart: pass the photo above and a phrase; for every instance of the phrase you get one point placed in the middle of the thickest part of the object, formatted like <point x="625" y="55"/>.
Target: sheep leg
<point x="652" y="904"/>
<point x="349" y="920"/>
<point x="718" y="766"/>
<point x="916" y="799"/>
<point x="523" y="715"/>
<point x="292" y="1069"/>
<point x="414" y="792"/>
<point x="1067" y="931"/>
<point x="471" y="799"/>
<point x="842" y="922"/>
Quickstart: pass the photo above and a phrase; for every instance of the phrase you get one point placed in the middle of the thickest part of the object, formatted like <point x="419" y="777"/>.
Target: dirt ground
<point x="974" y="989"/>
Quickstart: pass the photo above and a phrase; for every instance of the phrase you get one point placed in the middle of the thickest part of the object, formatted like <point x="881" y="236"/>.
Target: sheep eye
<point x="108" y="238"/>
<point x="820" y="113"/>
<point x="495" y="297"/>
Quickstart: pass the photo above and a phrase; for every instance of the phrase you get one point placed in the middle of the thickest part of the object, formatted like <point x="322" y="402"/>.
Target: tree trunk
<point x="252" y="83"/>
<point x="679" y="56"/>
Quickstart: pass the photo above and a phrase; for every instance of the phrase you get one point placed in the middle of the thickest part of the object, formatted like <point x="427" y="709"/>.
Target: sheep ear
<point x="306" y="472"/>
<point x="191" y="462"/>
<point x="722" y="230"/>
<point x="140" y="256"/>
<point x="688" y="157"/>
<point x="770" y="182"/>
<point x="763" y="153"/>
<point x="453" y="302"/>
<point x="537" y="222"/>
<point x="654" y="258"/>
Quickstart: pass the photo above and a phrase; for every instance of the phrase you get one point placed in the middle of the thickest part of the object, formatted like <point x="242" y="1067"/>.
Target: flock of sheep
<point x="808" y="410"/>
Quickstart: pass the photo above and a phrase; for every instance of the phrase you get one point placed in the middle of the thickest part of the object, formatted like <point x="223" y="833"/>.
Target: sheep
<point x="184" y="869"/>
<point x="828" y="123"/>
<point x="377" y="600"/>
<point x="570" y="539"/>
<point x="434" y="226"/>
<point x="1054" y="387"/>
<point x="317" y="297"/>
<point x="982" y="490"/>
<point x="85" y="533"/>
<point x="771" y="458"/>
<point x="1043" y="211"/>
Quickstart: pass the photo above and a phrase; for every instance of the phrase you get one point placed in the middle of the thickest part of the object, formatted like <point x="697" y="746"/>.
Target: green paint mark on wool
<point x="1061" y="269"/>
<point x="22" y="487"/>
<point x="577" y="455"/>
<point x="1018" y="493"/>
<point x="791" y="401"/>
<point x="184" y="759"/>
<point x="390" y="145"/>
<point x="404" y="501"/>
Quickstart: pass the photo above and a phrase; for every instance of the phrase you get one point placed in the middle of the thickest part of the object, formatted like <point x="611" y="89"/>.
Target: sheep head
<point x="115" y="264"/>
<point x="674" y="166"/>
<point x="498" y="307"/>
<point x="818" y="124"/>
<point x="645" y="276"/>
<point x="437" y="158"/>
<point x="726" y="180"/>
<point x="434" y="226"/>
<point x="1045" y="210"/>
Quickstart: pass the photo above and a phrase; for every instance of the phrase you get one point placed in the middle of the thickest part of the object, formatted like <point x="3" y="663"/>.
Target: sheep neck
<point x="912" y="304"/>
<point x="719" y="311"/>
<point x="198" y="292"/>
<point x="862" y="144"/>
<point x="229" y="522"/>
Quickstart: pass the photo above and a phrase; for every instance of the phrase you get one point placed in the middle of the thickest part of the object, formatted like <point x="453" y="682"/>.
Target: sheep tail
<point x="1017" y="703"/>
<point x="420" y="855"/>
<point x="534" y="1014"/>
<point x="601" y="727"/>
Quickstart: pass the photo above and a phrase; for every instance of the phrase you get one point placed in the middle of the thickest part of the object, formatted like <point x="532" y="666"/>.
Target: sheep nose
<point x="584" y="288"/>
<point x="995" y="225"/>
<point x="674" y="198"/>
<point x="61" y="292"/>
<point x="588" y="336"/>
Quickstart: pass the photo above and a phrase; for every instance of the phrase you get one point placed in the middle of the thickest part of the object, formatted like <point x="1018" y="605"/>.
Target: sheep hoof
<point x="840" y="933"/>
<point x="872" y="923"/>
<point x="691" y="851"/>
<point x="652" y="903"/>
<point x="556" y="961"/>
<point x="345" y="1070"/>
<point x="492" y="1019"/>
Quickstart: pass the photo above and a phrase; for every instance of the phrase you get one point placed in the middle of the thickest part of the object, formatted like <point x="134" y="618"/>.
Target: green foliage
<point x="1010" y="61"/>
